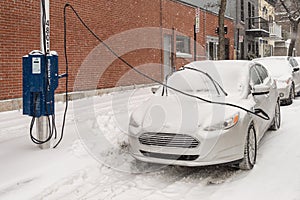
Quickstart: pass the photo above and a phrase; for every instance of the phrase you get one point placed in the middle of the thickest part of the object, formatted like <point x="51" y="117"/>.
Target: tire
<point x="277" y="118"/>
<point x="289" y="101"/>
<point x="250" y="150"/>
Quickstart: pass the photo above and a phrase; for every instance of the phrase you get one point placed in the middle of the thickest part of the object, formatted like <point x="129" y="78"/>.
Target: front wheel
<point x="250" y="150"/>
<point x="277" y="118"/>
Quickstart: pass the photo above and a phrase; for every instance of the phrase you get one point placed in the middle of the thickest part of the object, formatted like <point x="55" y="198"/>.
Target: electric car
<point x="285" y="71"/>
<point x="207" y="116"/>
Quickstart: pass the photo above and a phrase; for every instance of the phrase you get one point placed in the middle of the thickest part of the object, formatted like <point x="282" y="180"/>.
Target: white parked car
<point x="172" y="128"/>
<point x="285" y="71"/>
<point x="296" y="75"/>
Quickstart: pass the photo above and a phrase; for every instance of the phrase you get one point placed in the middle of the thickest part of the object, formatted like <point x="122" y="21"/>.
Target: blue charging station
<point x="40" y="80"/>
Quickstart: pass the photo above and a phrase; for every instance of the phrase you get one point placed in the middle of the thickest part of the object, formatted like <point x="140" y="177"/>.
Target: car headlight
<point x="226" y="124"/>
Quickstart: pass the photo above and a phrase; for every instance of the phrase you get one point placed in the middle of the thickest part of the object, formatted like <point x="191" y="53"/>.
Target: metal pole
<point x="42" y="125"/>
<point x="238" y="44"/>
<point x="195" y="43"/>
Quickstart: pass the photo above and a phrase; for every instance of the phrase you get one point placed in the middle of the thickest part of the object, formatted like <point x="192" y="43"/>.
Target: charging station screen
<point x="36" y="65"/>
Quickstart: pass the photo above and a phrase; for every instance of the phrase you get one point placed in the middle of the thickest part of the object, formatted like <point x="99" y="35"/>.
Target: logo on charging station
<point x="49" y="74"/>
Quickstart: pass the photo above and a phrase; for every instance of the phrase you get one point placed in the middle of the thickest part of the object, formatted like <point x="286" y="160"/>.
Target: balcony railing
<point x="258" y="27"/>
<point x="275" y="31"/>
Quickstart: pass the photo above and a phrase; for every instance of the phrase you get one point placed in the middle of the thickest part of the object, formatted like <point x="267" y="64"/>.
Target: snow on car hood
<point x="178" y="113"/>
<point x="283" y="77"/>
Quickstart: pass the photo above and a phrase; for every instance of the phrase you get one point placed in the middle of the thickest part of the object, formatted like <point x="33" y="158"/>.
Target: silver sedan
<point x="285" y="71"/>
<point x="179" y="129"/>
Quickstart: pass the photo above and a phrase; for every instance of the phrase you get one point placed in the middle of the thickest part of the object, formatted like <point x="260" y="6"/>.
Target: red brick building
<point x="142" y="32"/>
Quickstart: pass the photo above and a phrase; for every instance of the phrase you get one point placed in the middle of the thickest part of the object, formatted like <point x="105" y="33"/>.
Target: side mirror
<point x="154" y="90"/>
<point x="260" y="90"/>
<point x="295" y="69"/>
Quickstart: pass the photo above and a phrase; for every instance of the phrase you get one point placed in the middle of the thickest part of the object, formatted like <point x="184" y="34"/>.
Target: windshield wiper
<point x="213" y="80"/>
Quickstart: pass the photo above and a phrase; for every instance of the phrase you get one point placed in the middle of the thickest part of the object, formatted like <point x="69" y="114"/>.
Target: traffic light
<point x="225" y="30"/>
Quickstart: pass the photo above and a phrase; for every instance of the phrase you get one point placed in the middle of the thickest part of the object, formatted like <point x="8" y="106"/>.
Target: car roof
<point x="241" y="63"/>
<point x="273" y="58"/>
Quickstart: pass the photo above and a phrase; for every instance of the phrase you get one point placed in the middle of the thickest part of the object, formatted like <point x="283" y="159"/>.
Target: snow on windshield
<point x="276" y="67"/>
<point x="192" y="81"/>
<point x="231" y="75"/>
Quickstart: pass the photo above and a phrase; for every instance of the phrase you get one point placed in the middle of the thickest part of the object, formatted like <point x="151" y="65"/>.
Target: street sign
<point x="197" y="20"/>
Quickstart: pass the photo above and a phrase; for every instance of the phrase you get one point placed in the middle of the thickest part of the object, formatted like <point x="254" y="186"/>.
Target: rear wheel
<point x="250" y="150"/>
<point x="277" y="118"/>
<point x="289" y="101"/>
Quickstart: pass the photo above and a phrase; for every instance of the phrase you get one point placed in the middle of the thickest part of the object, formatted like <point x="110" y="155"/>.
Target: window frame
<point x="242" y="11"/>
<point x="185" y="40"/>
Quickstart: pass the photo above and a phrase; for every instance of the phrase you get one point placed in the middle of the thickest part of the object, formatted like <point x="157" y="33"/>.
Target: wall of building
<point x="123" y="24"/>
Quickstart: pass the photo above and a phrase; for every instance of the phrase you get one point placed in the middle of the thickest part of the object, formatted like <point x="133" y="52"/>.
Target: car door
<point x="271" y="98"/>
<point x="259" y="100"/>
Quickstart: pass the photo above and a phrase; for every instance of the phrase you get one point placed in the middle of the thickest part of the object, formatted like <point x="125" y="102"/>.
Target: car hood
<point x="178" y="113"/>
<point x="283" y="77"/>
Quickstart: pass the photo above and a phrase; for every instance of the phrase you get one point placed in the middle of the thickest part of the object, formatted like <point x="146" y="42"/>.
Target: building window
<point x="253" y="14"/>
<point x="249" y="15"/>
<point x="242" y="11"/>
<point x="183" y="44"/>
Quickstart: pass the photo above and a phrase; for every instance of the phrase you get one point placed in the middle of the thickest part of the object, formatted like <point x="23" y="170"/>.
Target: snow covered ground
<point x="92" y="161"/>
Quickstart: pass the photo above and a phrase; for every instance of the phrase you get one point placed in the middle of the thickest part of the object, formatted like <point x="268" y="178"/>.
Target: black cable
<point x="67" y="71"/>
<point x="35" y="140"/>
<point x="256" y="112"/>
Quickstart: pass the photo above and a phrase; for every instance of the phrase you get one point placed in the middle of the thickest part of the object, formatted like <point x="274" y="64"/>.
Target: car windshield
<point x="193" y="82"/>
<point x="276" y="67"/>
<point x="233" y="76"/>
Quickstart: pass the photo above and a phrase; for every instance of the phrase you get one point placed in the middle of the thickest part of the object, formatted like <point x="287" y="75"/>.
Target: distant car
<point x="297" y="75"/>
<point x="172" y="128"/>
<point x="285" y="71"/>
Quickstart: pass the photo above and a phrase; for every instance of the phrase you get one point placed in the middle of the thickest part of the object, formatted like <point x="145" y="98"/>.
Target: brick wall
<point x="90" y="64"/>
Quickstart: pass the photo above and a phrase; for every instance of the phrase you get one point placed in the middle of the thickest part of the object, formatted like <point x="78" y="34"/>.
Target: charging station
<point x="39" y="83"/>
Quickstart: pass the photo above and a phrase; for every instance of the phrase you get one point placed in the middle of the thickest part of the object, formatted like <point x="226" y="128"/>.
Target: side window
<point x="293" y="62"/>
<point x="254" y="77"/>
<point x="262" y="72"/>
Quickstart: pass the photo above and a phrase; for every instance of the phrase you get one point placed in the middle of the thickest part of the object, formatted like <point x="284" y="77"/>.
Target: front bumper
<point x="215" y="147"/>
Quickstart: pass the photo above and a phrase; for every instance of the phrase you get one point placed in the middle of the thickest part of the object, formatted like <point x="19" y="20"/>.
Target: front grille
<point x="170" y="156"/>
<point x="168" y="140"/>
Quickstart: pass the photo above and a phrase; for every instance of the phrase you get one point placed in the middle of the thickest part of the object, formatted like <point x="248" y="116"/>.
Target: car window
<point x="295" y="63"/>
<point x="254" y="77"/>
<point x="262" y="72"/>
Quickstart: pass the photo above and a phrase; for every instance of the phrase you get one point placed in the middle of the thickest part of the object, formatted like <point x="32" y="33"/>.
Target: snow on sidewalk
<point x="73" y="171"/>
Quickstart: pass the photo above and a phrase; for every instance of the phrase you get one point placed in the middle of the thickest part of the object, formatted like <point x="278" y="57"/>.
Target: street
<point x="84" y="168"/>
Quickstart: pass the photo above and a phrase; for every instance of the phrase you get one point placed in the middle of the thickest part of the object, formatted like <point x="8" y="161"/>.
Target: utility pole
<point x="221" y="49"/>
<point x="42" y="124"/>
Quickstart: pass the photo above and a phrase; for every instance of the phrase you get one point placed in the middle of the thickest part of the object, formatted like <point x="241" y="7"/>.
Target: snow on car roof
<point x="276" y="68"/>
<point x="274" y="58"/>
